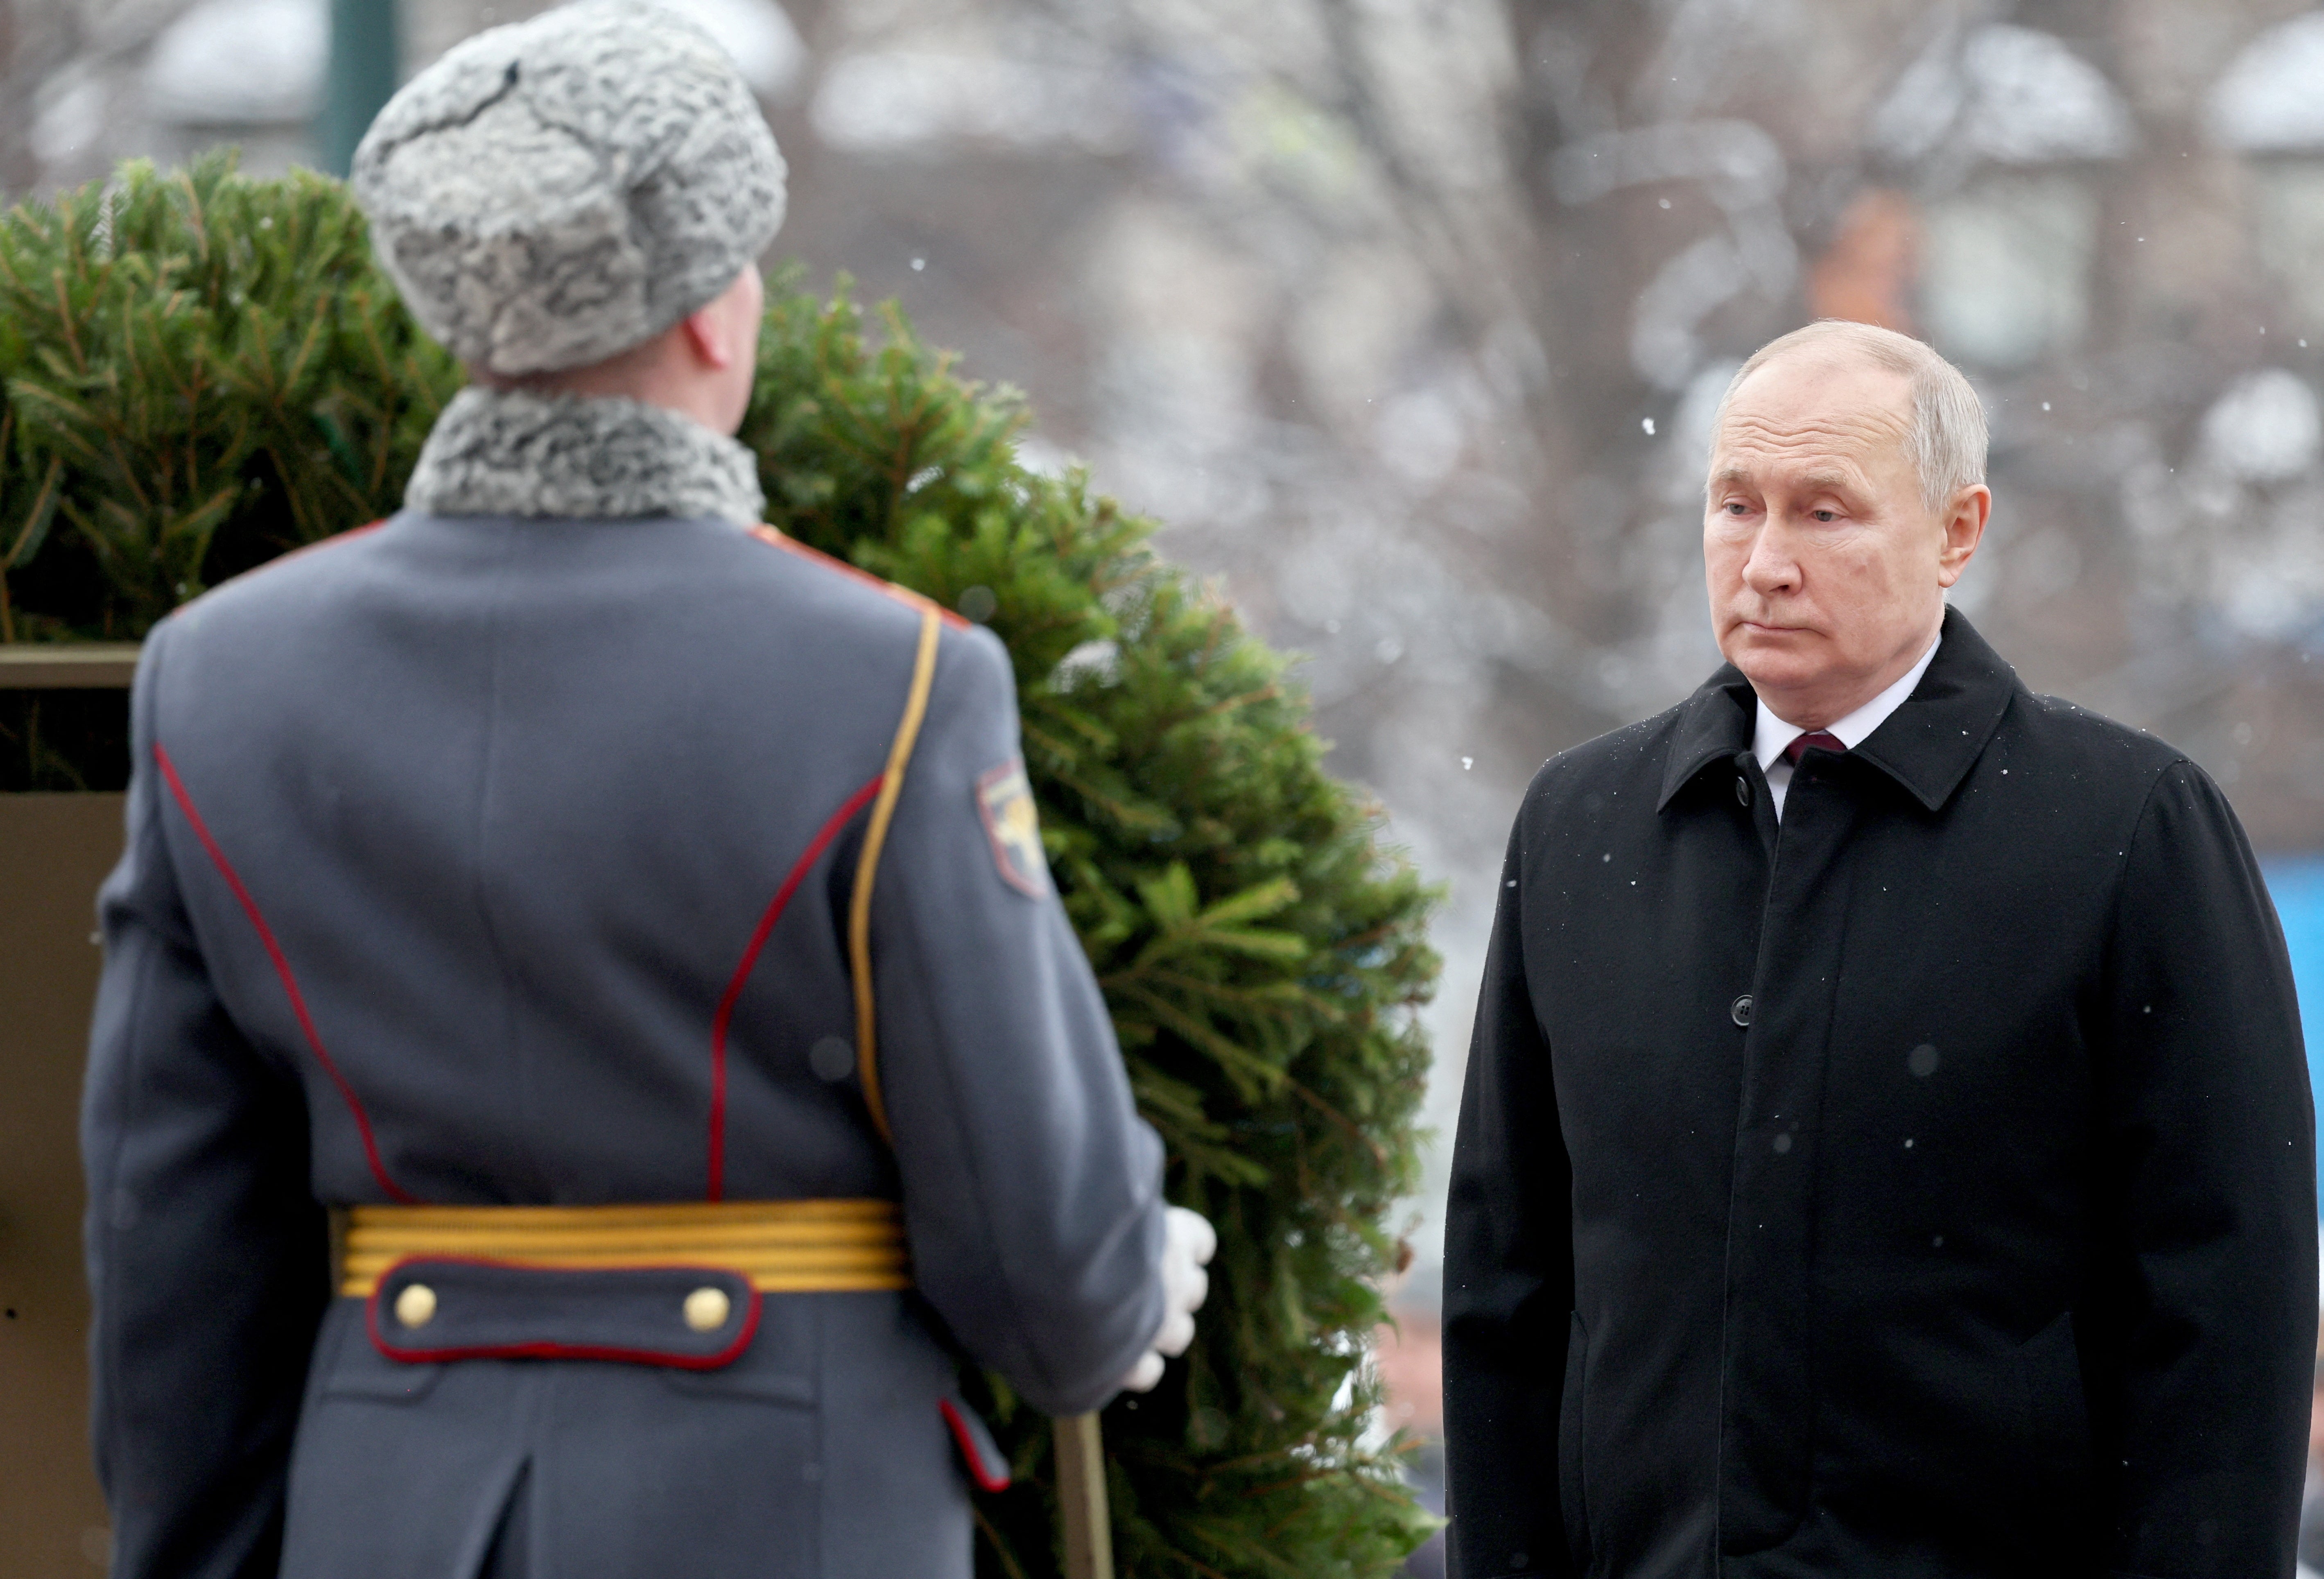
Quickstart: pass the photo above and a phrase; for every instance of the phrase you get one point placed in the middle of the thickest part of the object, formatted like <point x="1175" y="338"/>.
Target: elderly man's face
<point x="1827" y="569"/>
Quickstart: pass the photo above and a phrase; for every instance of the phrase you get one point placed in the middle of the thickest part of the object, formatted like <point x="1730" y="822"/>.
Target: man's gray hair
<point x="1947" y="440"/>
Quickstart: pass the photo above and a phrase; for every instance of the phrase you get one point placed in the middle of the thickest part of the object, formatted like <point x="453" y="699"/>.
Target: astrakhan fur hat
<point x="553" y="192"/>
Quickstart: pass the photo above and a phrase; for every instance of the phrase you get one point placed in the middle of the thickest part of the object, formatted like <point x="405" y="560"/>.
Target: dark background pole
<point x="365" y="66"/>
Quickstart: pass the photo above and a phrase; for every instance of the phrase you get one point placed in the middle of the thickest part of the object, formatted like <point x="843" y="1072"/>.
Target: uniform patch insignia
<point x="1004" y="799"/>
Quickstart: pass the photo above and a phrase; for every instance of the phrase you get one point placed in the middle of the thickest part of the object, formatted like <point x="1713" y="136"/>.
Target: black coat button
<point x="1742" y="791"/>
<point x="1740" y="1011"/>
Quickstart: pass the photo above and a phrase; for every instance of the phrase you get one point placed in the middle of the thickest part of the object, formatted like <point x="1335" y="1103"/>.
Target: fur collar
<point x="508" y="452"/>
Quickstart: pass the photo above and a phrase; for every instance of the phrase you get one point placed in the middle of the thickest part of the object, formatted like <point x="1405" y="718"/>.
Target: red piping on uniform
<point x="986" y="1481"/>
<point x="282" y="968"/>
<point x="334" y="541"/>
<point x="790" y="545"/>
<point x="725" y="1017"/>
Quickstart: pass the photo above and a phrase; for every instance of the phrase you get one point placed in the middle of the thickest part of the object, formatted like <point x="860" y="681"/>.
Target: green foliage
<point x="200" y="372"/>
<point x="187" y="396"/>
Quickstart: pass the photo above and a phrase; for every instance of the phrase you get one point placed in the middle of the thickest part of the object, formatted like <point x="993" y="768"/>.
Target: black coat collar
<point x="1926" y="745"/>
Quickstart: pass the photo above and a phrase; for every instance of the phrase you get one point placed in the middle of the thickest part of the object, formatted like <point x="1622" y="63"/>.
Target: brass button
<point x="416" y="1306"/>
<point x="707" y="1309"/>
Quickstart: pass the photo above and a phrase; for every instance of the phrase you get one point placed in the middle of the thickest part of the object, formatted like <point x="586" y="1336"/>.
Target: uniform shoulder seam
<point x="1639" y="735"/>
<point x="303" y="551"/>
<point x="2123" y="857"/>
<point x="904" y="594"/>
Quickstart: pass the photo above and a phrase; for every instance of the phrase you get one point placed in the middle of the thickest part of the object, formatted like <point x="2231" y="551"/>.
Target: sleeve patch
<point x="1004" y="799"/>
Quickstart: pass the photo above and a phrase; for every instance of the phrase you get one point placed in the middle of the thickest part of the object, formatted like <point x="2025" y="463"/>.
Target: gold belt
<point x="783" y="1247"/>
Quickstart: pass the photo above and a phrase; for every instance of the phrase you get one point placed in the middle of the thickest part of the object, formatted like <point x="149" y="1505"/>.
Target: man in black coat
<point x="1886" y="1147"/>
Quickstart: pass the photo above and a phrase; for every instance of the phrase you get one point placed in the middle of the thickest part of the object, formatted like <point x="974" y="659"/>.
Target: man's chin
<point x="1774" y="655"/>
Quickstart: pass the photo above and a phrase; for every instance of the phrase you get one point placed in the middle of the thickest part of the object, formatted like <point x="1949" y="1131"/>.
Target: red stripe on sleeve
<point x="983" y="1474"/>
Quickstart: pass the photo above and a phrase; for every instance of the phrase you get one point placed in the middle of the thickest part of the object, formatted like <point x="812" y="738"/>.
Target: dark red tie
<point x="1822" y="740"/>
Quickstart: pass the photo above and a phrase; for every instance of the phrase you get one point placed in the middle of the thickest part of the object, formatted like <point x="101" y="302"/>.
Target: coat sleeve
<point x="1032" y="1189"/>
<point x="207" y="1255"/>
<point x="2199" y="1343"/>
<point x="1508" y="1275"/>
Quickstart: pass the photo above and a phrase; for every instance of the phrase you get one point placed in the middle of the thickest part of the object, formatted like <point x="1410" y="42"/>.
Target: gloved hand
<point x="1188" y="1243"/>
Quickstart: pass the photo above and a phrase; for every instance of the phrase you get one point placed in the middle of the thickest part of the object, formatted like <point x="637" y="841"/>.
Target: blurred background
<point x="1408" y="318"/>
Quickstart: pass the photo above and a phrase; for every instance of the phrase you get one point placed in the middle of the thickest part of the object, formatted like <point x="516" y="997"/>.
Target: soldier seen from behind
<point x="587" y="1037"/>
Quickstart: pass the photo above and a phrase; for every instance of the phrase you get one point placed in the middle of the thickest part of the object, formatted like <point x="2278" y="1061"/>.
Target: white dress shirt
<point x="1773" y="734"/>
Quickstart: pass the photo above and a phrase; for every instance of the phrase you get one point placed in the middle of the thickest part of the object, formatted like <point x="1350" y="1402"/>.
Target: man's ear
<point x="1964" y="528"/>
<point x="707" y="336"/>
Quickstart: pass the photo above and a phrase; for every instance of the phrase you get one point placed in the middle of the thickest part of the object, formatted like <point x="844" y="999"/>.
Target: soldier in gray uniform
<point x="587" y="1033"/>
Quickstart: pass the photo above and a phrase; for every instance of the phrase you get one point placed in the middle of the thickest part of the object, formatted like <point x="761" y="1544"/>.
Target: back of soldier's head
<point x="552" y="193"/>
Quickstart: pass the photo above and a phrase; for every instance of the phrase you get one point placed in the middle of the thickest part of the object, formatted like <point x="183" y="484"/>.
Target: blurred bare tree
<point x="1409" y="317"/>
<point x="35" y="40"/>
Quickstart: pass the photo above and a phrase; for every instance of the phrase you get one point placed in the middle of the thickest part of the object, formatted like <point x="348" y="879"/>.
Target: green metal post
<point x="364" y="67"/>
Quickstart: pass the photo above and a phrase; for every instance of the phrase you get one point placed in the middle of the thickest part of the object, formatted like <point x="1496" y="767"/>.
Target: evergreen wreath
<point x="202" y="371"/>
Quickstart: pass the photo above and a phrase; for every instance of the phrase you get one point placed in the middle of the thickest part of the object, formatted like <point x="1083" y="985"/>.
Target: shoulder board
<point x="903" y="594"/>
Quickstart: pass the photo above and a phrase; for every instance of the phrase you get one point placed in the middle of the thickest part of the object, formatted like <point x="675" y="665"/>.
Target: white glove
<point x="1188" y="1243"/>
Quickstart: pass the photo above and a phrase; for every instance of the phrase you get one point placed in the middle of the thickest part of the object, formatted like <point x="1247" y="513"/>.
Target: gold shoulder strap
<point x="867" y="867"/>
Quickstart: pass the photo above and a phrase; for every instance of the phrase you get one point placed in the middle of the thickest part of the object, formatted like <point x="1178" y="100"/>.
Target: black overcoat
<point x="1921" y="1187"/>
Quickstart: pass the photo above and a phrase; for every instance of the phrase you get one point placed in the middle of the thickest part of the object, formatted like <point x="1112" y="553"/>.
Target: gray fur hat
<point x="554" y="192"/>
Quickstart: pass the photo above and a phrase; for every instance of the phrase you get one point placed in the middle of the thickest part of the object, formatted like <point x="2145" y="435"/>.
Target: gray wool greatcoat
<point x="1920" y="1188"/>
<point x="446" y="841"/>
